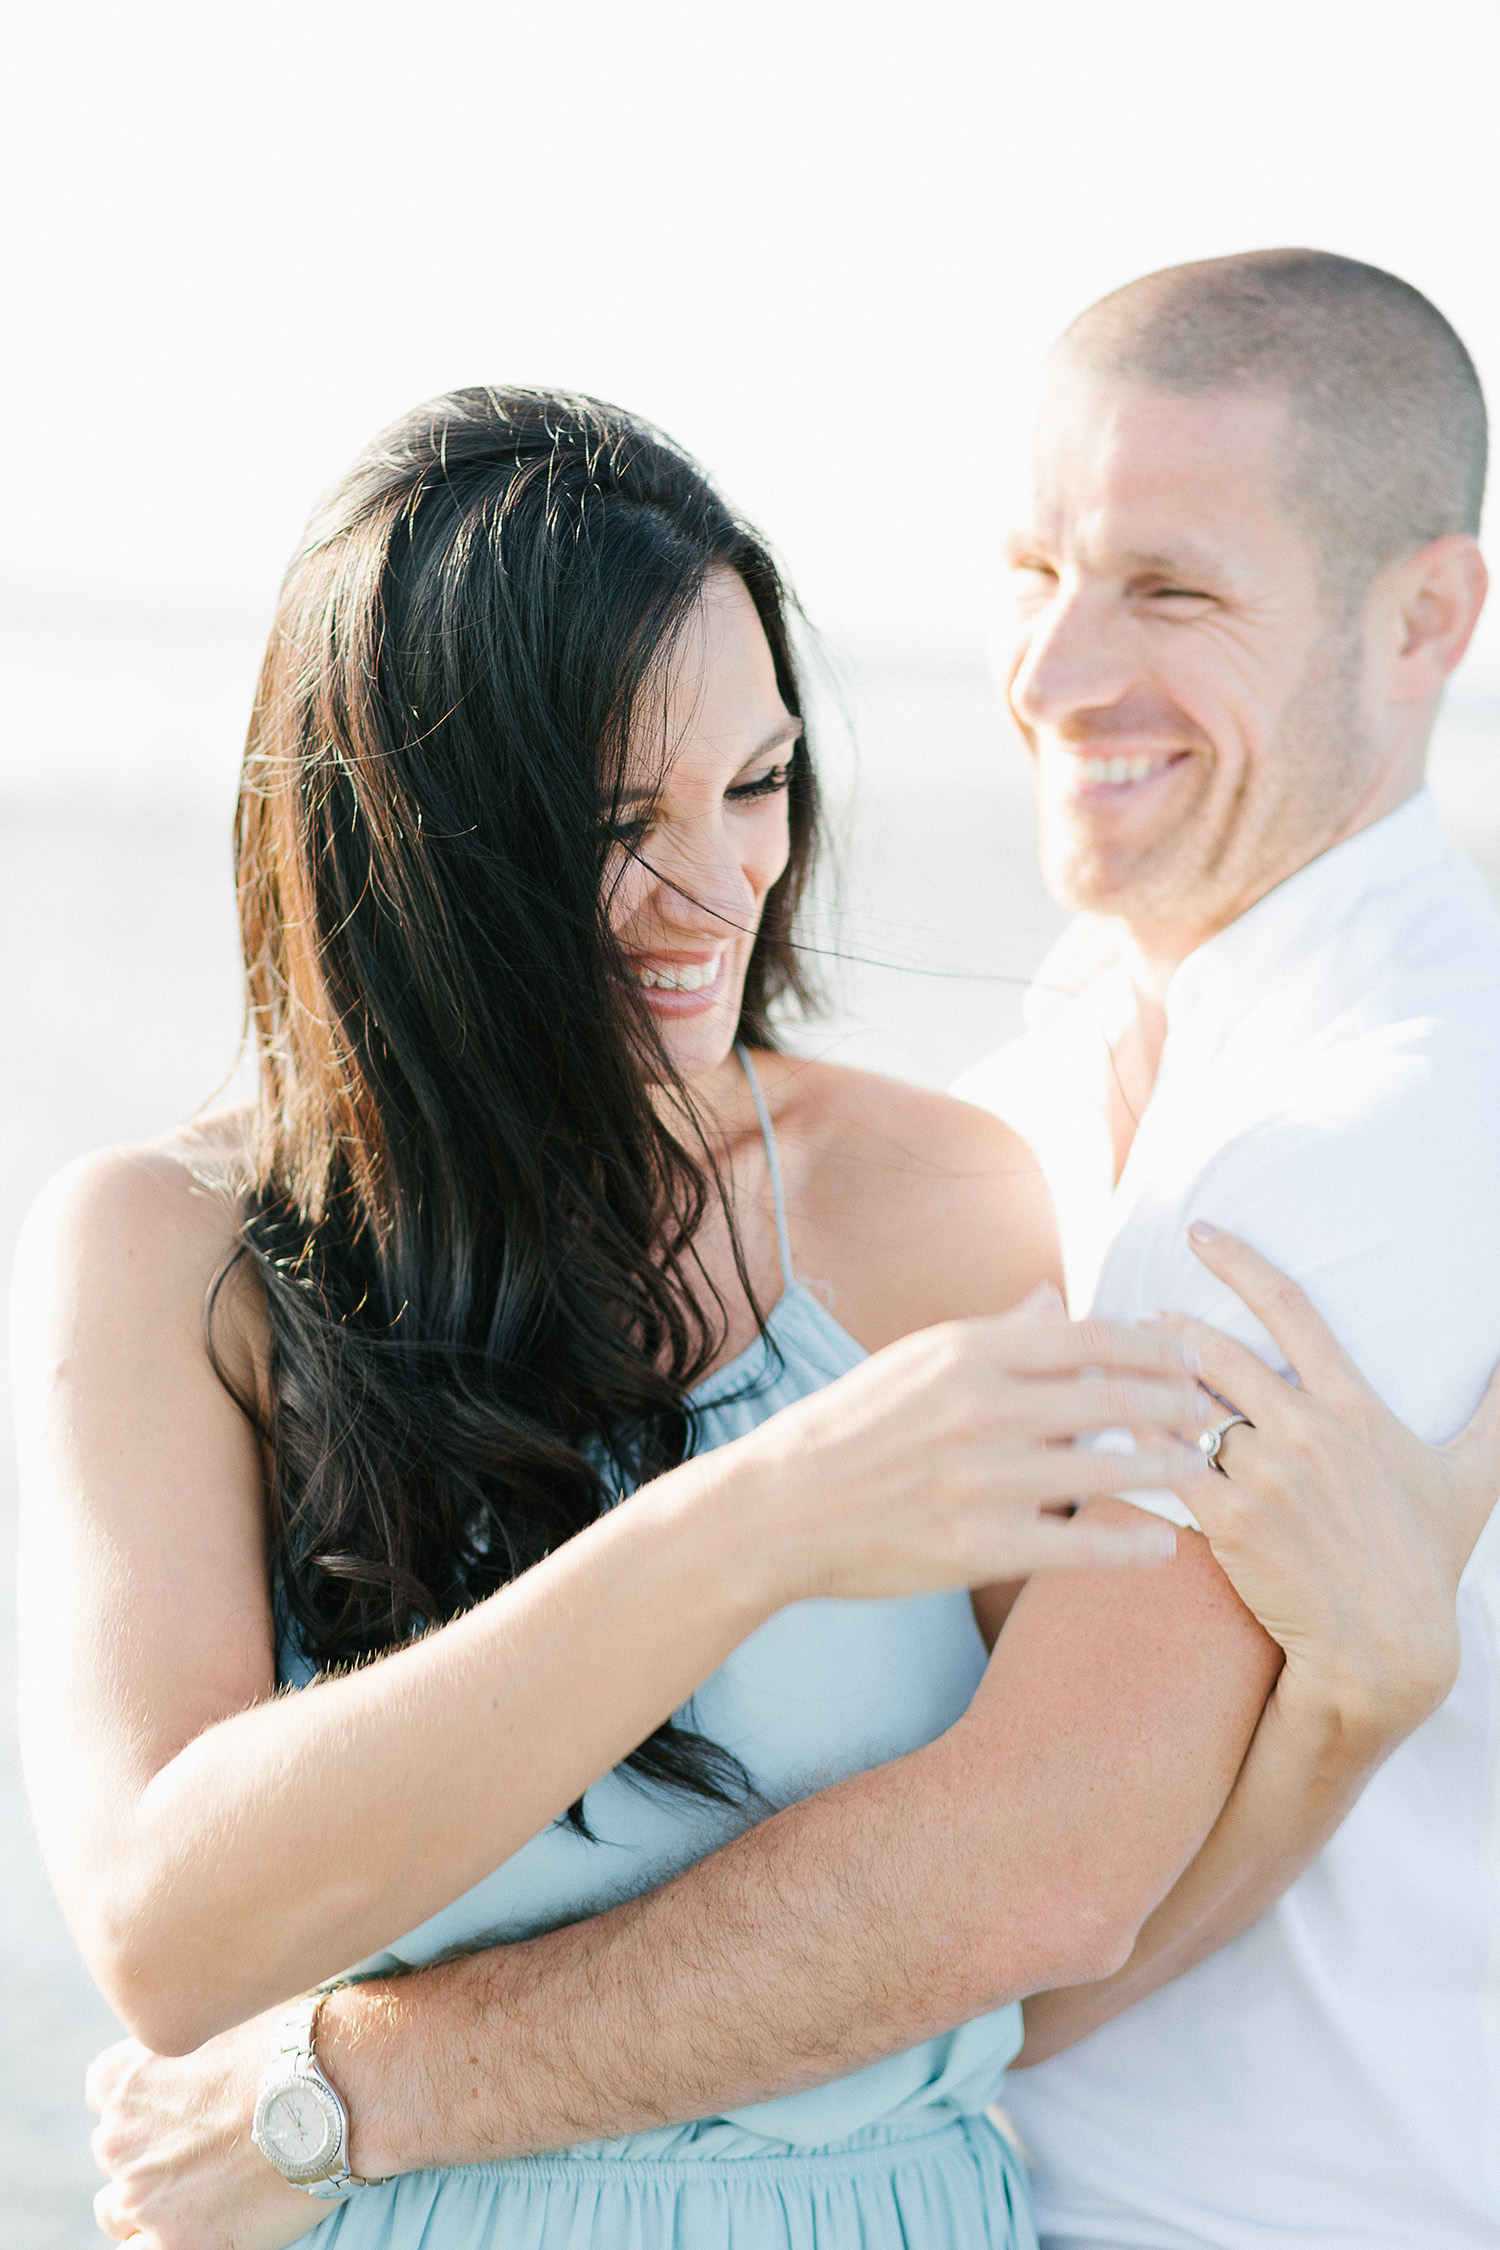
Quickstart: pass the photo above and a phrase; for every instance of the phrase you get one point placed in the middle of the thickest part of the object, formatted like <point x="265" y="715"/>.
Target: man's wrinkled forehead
<point x="1158" y="477"/>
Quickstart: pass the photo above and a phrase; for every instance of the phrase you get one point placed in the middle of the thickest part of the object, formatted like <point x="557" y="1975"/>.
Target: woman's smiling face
<point x="703" y="821"/>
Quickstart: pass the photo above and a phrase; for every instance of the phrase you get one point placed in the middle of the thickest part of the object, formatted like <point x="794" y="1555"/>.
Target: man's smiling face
<point x="1190" y="700"/>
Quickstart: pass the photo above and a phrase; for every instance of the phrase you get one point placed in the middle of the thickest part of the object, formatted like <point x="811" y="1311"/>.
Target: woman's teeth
<point x="692" y="976"/>
<point x="1116" y="770"/>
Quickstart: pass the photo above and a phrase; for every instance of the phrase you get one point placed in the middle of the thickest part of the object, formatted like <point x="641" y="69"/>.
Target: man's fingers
<point x="100" y="2077"/>
<point x="110" y="2219"/>
<point x="1306" y="1341"/>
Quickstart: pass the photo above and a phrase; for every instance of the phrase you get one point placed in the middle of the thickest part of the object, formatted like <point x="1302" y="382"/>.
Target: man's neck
<point x="1156" y="948"/>
<point x="1133" y="1063"/>
<point x="1154" y="951"/>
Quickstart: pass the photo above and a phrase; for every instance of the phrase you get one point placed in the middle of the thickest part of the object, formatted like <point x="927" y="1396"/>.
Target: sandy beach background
<point x="119" y="1014"/>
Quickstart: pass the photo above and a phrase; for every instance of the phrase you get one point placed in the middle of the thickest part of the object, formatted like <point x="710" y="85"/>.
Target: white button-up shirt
<point x="1330" y="1089"/>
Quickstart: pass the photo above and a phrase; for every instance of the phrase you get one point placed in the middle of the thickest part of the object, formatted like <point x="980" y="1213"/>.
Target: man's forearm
<point x="1302" y="1776"/>
<point x="1021" y="1851"/>
<point x="795" y="1955"/>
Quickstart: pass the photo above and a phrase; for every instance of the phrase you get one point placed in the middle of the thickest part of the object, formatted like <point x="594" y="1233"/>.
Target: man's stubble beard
<point x="1286" y="810"/>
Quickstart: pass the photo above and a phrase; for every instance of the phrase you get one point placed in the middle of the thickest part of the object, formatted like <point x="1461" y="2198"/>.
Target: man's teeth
<point x="691" y="977"/>
<point x="1115" y="770"/>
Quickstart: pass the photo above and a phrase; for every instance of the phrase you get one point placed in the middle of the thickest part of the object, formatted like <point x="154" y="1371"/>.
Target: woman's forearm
<point x="1302" y="1775"/>
<point x="388" y="1792"/>
<point x="221" y="1865"/>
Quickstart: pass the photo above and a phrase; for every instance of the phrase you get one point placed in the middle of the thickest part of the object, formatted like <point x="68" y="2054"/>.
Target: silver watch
<point x="300" y="2124"/>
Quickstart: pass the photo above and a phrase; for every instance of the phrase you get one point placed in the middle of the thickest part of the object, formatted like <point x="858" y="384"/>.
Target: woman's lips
<point x="680" y="984"/>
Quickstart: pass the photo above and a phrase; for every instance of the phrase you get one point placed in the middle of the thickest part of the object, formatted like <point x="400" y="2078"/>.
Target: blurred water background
<point x="120" y="1013"/>
<point x="826" y="246"/>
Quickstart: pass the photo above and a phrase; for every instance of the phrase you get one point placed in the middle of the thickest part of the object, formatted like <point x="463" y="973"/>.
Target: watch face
<point x="298" y="2129"/>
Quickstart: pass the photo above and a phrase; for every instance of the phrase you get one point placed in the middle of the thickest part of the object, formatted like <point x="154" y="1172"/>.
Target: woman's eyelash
<point x="632" y="833"/>
<point x="769" y="785"/>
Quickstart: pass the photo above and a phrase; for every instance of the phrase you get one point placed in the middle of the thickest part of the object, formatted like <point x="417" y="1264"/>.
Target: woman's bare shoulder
<point x="929" y="1207"/>
<point x="181" y="1191"/>
<point x="137" y="1232"/>
<point x="832" y="1106"/>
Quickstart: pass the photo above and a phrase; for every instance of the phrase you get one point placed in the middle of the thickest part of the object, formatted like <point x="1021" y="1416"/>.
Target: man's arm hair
<point x="1021" y="1850"/>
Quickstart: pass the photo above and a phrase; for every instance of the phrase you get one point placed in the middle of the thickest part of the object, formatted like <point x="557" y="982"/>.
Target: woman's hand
<point x="174" y="2140"/>
<point x="1346" y="1537"/>
<point x="1343" y="1532"/>
<point x="947" y="1459"/>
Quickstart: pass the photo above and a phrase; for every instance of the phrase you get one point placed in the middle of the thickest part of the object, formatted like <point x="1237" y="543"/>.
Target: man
<point x="1252" y="569"/>
<point x="1280" y="1052"/>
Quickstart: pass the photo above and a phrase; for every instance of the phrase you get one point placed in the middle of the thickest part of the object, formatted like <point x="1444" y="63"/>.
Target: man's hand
<point x="174" y="2139"/>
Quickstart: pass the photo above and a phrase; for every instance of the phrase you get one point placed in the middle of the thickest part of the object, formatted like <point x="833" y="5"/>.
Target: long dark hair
<point x="473" y="1230"/>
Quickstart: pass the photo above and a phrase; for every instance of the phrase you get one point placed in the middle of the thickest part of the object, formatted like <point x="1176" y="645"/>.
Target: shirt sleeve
<point x="1383" y="1202"/>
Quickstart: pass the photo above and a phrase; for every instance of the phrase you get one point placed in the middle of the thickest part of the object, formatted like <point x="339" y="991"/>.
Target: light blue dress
<point x="900" y="2156"/>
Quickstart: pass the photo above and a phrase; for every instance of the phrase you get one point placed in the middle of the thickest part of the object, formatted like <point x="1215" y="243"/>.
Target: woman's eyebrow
<point x="776" y="740"/>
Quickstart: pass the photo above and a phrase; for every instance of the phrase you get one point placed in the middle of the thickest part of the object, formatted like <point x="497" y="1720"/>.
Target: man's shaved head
<point x="1249" y="571"/>
<point x="1387" y="432"/>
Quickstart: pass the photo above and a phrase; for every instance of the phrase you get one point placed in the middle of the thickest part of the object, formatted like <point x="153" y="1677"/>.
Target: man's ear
<point x="1427" y="608"/>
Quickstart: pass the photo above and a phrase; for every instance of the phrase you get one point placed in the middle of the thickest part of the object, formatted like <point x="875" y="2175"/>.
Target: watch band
<point x="298" y="2031"/>
<point x="298" y="2023"/>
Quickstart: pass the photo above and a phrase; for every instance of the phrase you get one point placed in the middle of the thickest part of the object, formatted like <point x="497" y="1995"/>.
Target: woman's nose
<point x="703" y="879"/>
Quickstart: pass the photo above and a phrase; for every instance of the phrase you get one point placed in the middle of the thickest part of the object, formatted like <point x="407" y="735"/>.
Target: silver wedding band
<point x="1211" y="1440"/>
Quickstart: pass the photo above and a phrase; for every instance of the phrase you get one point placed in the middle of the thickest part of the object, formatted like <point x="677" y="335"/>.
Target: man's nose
<point x="1072" y="658"/>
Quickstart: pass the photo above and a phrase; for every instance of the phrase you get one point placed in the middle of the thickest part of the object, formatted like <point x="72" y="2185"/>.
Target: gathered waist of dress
<point x="716" y="2140"/>
<point x="947" y="2179"/>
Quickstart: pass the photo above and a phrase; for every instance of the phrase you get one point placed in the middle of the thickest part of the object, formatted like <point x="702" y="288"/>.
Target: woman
<point x="525" y="816"/>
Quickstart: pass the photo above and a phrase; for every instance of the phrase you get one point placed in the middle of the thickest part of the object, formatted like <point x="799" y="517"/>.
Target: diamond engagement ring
<point x="1211" y="1440"/>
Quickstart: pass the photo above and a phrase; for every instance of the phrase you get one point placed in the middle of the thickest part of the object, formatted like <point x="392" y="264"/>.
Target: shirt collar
<point x="1234" y="968"/>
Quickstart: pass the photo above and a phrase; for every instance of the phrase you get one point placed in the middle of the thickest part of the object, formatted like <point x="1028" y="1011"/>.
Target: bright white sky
<point x="824" y="245"/>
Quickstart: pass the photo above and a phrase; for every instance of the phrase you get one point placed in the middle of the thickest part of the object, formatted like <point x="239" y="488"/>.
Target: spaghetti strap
<point x="773" y="1159"/>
